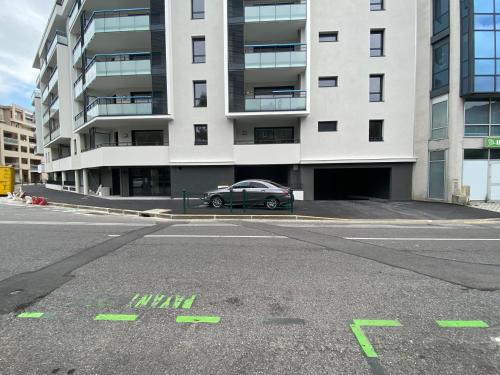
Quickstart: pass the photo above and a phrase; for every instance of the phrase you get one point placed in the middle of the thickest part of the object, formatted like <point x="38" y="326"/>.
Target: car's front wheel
<point x="216" y="202"/>
<point x="272" y="203"/>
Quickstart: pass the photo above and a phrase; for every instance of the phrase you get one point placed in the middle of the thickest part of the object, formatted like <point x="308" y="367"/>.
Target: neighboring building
<point x="18" y="143"/>
<point x="338" y="99"/>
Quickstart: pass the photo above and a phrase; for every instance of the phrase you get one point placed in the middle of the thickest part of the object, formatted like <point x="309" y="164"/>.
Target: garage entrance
<point x="352" y="183"/>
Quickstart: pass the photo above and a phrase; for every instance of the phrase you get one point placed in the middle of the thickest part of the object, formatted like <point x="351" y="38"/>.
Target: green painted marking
<point x="165" y="304"/>
<point x="143" y="302"/>
<point x="198" y="319"/>
<point x="157" y="300"/>
<point x="116" y="317"/>
<point x="189" y="302"/>
<point x="31" y="315"/>
<point x="361" y="337"/>
<point x="462" y="324"/>
<point x="131" y="303"/>
<point x="178" y="301"/>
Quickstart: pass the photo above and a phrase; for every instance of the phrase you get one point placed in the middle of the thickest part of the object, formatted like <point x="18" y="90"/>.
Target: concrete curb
<point x="117" y="211"/>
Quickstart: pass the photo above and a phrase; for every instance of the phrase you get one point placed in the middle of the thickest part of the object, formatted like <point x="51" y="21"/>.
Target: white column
<point x="63" y="174"/>
<point x="77" y="181"/>
<point x="85" y="182"/>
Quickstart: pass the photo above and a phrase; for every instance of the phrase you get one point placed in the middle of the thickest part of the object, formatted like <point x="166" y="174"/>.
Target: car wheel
<point x="216" y="202"/>
<point x="272" y="203"/>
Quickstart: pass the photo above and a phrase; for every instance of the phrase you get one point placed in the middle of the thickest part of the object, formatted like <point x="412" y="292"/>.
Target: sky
<point x="21" y="27"/>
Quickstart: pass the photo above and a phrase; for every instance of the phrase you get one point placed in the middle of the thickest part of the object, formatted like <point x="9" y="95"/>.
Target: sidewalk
<point x="327" y="209"/>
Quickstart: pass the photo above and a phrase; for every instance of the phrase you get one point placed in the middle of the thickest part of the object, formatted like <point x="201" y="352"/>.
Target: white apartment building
<point x="153" y="97"/>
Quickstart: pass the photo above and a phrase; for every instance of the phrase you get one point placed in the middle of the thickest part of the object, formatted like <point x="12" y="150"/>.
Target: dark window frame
<point x="379" y="138"/>
<point x="328" y="36"/>
<point x="198" y="59"/>
<point x="325" y="79"/>
<point x="275" y="139"/>
<point x="326" y="124"/>
<point x="202" y="141"/>
<point x="198" y="101"/>
<point x="435" y="73"/>
<point x="374" y="50"/>
<point x="197" y="15"/>
<point x="380" y="94"/>
<point x="377" y="5"/>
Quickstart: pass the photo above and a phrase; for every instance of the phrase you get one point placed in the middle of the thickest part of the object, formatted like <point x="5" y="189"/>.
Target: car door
<point x="257" y="193"/>
<point x="237" y="191"/>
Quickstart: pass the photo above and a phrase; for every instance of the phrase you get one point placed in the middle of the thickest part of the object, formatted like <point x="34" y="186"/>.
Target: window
<point x="328" y="36"/>
<point x="476" y="154"/>
<point x="327" y="81"/>
<point x="437" y="174"/>
<point x="439" y="120"/>
<point x="376" y="43"/>
<point x="200" y="135"/>
<point x="482" y="118"/>
<point x="74" y="147"/>
<point x="274" y="135"/>
<point x="376" y="87"/>
<point x="197" y="9"/>
<point x="258" y="185"/>
<point x="441" y="15"/>
<point x="376" y="4"/>
<point x="199" y="50"/>
<point x="147" y="137"/>
<point x="200" y="93"/>
<point x="376" y="131"/>
<point x="440" y="65"/>
<point x="327" y="126"/>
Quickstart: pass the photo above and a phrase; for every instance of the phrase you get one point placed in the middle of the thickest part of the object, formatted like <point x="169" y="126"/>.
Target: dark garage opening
<point x="352" y="183"/>
<point x="276" y="173"/>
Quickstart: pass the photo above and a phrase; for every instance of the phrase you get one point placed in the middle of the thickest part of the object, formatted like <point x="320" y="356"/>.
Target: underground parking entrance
<point x="361" y="182"/>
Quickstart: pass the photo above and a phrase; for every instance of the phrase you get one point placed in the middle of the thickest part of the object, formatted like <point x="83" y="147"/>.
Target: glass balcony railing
<point x="53" y="80"/>
<point x="277" y="12"/>
<point x="59" y="38"/>
<point x="46" y="116"/>
<point x="279" y="100"/>
<point x="118" y="65"/>
<point x="45" y="93"/>
<point x="120" y="106"/>
<point x="104" y="21"/>
<point x="79" y="120"/>
<point x="73" y="13"/>
<point x="77" y="51"/>
<point x="263" y="56"/>
<point x="78" y="86"/>
<point x="10" y="141"/>
<point x="54" y="106"/>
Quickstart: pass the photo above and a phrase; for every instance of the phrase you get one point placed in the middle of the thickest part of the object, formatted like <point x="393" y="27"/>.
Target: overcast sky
<point x="21" y="27"/>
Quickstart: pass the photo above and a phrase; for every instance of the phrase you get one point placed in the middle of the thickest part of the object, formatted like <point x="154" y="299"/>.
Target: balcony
<point x="46" y="116"/>
<point x="119" y="65"/>
<point x="78" y="86"/>
<point x="110" y="156"/>
<point x="73" y="14"/>
<point x="278" y="100"/>
<point x="79" y="121"/>
<point x="120" y="106"/>
<point x="10" y="141"/>
<point x="59" y="38"/>
<point x="45" y="93"/>
<point x="119" y="20"/>
<point x="266" y="56"/>
<point x="53" y="79"/>
<point x="54" y="107"/>
<point x="52" y="136"/>
<point x="77" y="51"/>
<point x="264" y="154"/>
<point x="276" y="12"/>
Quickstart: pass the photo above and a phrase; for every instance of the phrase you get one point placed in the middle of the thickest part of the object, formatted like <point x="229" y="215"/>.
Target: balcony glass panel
<point x="77" y="52"/>
<point x="79" y="121"/>
<point x="120" y="106"/>
<point x="53" y="80"/>
<point x="45" y="93"/>
<point x="10" y="141"/>
<point x="297" y="102"/>
<point x="78" y="87"/>
<point x="275" y="60"/>
<point x="73" y="14"/>
<point x="270" y="13"/>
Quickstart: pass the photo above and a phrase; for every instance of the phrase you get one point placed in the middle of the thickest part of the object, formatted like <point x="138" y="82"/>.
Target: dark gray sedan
<point x="251" y="193"/>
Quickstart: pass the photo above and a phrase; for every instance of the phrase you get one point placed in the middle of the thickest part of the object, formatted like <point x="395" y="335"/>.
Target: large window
<point x="441" y="15"/>
<point x="147" y="137"/>
<point x="437" y="174"/>
<point x="439" y="120"/>
<point x="376" y="87"/>
<point x="200" y="93"/>
<point x="274" y="135"/>
<point x="199" y="54"/>
<point x="482" y="118"/>
<point x="197" y="9"/>
<point x="441" y="64"/>
<point x="376" y="43"/>
<point x="486" y="46"/>
<point x="201" y="135"/>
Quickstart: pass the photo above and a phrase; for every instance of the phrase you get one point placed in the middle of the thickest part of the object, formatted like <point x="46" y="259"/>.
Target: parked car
<point x="258" y="193"/>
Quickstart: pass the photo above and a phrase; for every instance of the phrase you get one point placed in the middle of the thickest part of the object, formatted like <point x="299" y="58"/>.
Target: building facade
<point x="332" y="98"/>
<point x="18" y="143"/>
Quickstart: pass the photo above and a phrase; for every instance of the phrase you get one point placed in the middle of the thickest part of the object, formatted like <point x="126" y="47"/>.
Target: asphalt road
<point x="87" y="294"/>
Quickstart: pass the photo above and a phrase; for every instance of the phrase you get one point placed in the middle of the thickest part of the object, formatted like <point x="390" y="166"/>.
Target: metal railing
<point x="275" y="55"/>
<point x="276" y="141"/>
<point x="277" y="100"/>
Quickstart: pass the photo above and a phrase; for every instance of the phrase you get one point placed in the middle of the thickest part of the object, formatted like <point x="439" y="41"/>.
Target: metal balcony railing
<point x="277" y="100"/>
<point x="10" y="141"/>
<point x="262" y="56"/>
<point x="274" y="141"/>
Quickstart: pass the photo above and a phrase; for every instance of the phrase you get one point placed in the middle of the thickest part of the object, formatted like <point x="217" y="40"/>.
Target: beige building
<point x="18" y="143"/>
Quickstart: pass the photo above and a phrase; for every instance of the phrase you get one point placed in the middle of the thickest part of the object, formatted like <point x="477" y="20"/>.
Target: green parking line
<point x="198" y="319"/>
<point x="116" y="317"/>
<point x="31" y="315"/>
<point x="361" y="337"/>
<point x="462" y="324"/>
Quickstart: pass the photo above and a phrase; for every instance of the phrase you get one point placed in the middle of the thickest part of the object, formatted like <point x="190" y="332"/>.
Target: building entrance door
<point x="494" y="181"/>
